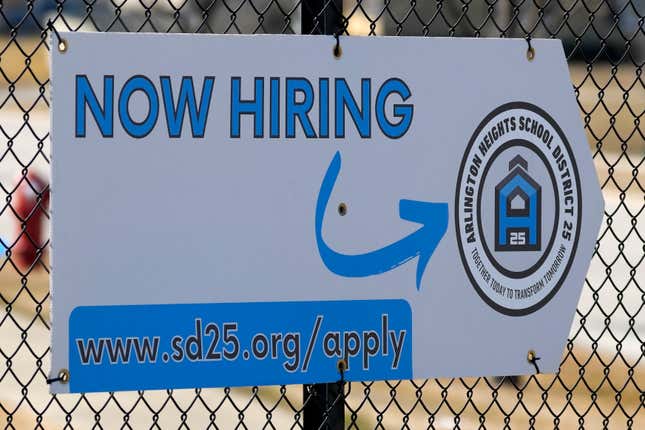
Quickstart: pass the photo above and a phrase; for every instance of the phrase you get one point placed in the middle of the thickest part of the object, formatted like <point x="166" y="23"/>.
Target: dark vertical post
<point x="321" y="16"/>
<point x="324" y="405"/>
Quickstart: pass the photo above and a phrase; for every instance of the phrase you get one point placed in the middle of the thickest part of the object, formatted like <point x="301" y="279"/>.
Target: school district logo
<point x="518" y="208"/>
<point x="518" y="204"/>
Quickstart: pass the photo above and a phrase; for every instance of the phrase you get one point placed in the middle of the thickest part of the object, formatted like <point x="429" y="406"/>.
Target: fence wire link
<point x="601" y="381"/>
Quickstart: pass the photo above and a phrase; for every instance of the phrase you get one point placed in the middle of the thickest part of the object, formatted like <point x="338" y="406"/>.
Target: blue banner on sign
<point x="115" y="348"/>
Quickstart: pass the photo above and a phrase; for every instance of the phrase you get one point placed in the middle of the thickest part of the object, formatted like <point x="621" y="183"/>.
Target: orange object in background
<point x="31" y="205"/>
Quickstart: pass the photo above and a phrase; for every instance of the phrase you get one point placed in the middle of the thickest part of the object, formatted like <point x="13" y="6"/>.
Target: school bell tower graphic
<point x="518" y="207"/>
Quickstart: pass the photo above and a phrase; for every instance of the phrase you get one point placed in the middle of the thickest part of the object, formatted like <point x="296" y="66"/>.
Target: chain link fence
<point x="601" y="381"/>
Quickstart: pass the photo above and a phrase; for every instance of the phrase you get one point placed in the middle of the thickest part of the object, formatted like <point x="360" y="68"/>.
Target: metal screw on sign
<point x="342" y="209"/>
<point x="62" y="377"/>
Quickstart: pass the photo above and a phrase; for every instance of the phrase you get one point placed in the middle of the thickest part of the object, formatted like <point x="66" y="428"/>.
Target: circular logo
<point x="518" y="207"/>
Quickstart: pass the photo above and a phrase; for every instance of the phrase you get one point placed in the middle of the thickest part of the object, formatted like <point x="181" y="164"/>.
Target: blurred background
<point x="602" y="376"/>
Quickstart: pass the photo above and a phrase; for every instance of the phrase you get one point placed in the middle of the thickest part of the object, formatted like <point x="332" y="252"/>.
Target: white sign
<point x="249" y="210"/>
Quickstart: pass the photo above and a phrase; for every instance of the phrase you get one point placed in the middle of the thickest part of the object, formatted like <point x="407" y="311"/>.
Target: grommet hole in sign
<point x="62" y="377"/>
<point x="532" y="358"/>
<point x="62" y="43"/>
<point x="530" y="51"/>
<point x="338" y="51"/>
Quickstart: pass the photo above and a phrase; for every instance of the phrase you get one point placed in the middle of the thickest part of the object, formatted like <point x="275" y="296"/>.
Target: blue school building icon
<point x="518" y="206"/>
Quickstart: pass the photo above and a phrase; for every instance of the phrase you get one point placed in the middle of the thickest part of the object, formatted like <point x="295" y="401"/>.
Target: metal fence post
<point x="321" y="16"/>
<point x="324" y="406"/>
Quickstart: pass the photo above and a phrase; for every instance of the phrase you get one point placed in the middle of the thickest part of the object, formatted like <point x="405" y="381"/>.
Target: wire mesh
<point x="601" y="381"/>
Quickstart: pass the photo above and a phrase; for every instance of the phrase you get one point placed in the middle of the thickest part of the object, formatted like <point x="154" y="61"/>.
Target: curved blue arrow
<point x="422" y="243"/>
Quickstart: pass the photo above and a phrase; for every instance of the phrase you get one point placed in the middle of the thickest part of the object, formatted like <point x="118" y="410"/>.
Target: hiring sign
<point x="251" y="210"/>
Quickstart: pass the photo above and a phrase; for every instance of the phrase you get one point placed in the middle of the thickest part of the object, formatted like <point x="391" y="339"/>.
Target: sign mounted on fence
<point x="249" y="210"/>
